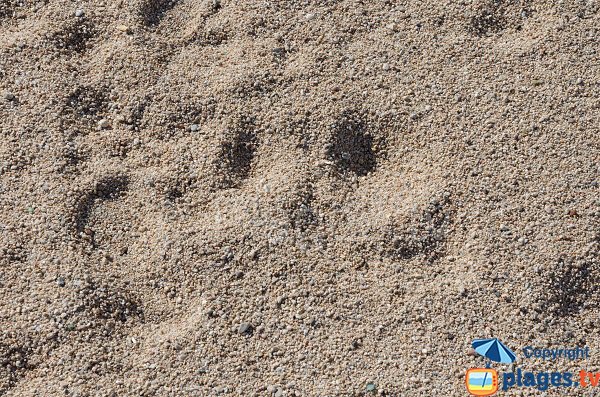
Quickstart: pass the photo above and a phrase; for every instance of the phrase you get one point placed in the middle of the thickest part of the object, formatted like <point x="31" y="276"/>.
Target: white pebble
<point x="102" y="124"/>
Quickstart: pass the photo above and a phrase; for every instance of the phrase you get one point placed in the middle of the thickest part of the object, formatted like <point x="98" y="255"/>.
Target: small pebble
<point x="102" y="124"/>
<point x="194" y="127"/>
<point x="573" y="213"/>
<point x="244" y="328"/>
<point x="79" y="13"/>
<point x="60" y="282"/>
<point x="310" y="16"/>
<point x="371" y="387"/>
<point x="124" y="28"/>
<point x="9" y="97"/>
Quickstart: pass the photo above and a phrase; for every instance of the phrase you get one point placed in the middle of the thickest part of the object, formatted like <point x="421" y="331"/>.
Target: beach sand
<point x="294" y="198"/>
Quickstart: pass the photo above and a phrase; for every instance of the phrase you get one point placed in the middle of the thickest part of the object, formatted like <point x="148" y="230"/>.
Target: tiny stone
<point x="279" y="51"/>
<point x="253" y="254"/>
<point x="102" y="124"/>
<point x="9" y="97"/>
<point x="244" y="328"/>
<point x="370" y="387"/>
<point x="270" y="388"/>
<point x="194" y="127"/>
<point x="310" y="16"/>
<point x="79" y="13"/>
<point x="60" y="282"/>
<point x="123" y="28"/>
<point x="569" y="334"/>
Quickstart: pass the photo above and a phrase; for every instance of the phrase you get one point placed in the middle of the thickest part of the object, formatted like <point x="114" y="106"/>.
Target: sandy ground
<point x="294" y="198"/>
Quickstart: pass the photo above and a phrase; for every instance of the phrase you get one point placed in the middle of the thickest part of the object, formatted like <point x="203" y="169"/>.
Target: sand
<point x="294" y="198"/>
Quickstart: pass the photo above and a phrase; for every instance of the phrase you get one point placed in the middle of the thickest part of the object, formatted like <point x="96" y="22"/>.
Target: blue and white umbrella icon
<point x="494" y="350"/>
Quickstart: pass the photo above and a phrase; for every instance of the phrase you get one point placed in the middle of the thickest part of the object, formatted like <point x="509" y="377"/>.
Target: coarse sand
<point x="294" y="198"/>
